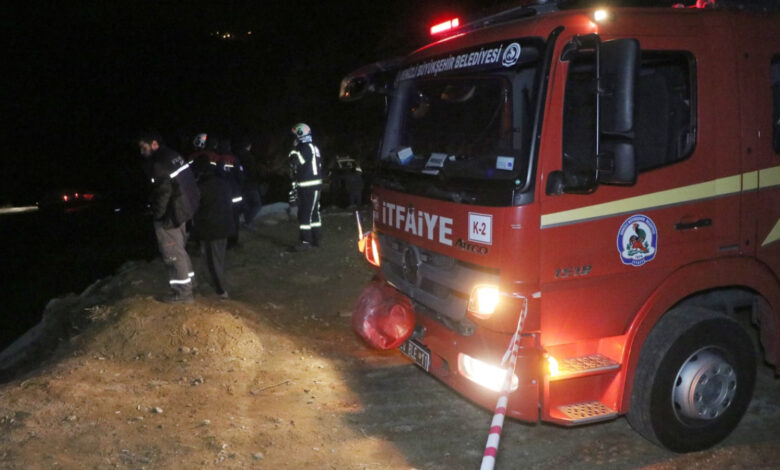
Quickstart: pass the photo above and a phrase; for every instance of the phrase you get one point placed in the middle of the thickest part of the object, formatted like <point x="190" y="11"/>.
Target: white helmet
<point x="199" y="142"/>
<point x="302" y="132"/>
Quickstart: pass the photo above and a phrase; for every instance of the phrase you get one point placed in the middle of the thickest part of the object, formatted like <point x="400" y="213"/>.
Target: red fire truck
<point x="614" y="176"/>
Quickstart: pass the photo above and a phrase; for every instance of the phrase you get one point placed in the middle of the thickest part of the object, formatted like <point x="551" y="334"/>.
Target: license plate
<point x="417" y="352"/>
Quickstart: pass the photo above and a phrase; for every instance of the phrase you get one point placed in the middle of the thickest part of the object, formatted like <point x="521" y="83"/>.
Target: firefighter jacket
<point x="174" y="197"/>
<point x="230" y="168"/>
<point x="306" y="165"/>
<point x="213" y="156"/>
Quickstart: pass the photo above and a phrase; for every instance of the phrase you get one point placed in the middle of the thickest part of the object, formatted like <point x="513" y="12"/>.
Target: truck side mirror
<point x="555" y="183"/>
<point x="598" y="119"/>
<point x="617" y="85"/>
<point x="616" y="164"/>
<point x="353" y="88"/>
<point x="371" y="78"/>
<point x="618" y="64"/>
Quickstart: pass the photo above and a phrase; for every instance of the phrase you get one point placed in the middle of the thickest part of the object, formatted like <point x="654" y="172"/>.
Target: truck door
<point x="758" y="66"/>
<point x="605" y="248"/>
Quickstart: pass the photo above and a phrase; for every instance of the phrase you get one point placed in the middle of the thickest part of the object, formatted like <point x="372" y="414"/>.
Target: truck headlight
<point x="484" y="300"/>
<point x="484" y="374"/>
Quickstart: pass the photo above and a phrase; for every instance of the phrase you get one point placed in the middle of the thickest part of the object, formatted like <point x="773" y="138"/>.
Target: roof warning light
<point x="445" y="26"/>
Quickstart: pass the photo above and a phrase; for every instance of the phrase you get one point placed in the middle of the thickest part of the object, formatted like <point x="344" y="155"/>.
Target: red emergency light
<point x="448" y="25"/>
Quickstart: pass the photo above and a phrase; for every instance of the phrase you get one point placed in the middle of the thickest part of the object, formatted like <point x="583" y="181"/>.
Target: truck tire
<point x="694" y="380"/>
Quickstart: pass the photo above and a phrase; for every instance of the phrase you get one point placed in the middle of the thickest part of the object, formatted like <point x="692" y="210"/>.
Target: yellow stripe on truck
<point x="774" y="234"/>
<point x="695" y="192"/>
<point x="769" y="177"/>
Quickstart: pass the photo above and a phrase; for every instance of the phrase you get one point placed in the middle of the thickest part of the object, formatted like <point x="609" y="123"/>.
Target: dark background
<point x="80" y="80"/>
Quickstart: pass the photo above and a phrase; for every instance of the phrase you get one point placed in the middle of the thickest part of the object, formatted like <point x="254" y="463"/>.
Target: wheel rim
<point x="704" y="387"/>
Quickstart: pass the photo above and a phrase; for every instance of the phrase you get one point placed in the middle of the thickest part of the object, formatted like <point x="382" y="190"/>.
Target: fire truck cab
<point x="607" y="185"/>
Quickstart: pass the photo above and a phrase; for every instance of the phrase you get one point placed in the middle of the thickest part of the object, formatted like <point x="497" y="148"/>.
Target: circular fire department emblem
<point x="511" y="55"/>
<point x="637" y="240"/>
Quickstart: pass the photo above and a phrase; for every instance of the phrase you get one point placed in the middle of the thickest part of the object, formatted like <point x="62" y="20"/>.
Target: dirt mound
<point x="251" y="382"/>
<point x="139" y="327"/>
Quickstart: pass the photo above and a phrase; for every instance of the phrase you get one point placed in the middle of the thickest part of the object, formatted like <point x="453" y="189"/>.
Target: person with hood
<point x="174" y="199"/>
<point x="306" y="172"/>
<point x="213" y="222"/>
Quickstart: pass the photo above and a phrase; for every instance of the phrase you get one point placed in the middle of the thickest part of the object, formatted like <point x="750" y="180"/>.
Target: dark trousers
<point x="233" y="238"/>
<point x="309" y="215"/>
<point x="252" y="204"/>
<point x="355" y="196"/>
<point x="171" y="243"/>
<point x="214" y="253"/>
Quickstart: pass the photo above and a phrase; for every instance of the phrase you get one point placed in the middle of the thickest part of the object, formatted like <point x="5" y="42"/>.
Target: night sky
<point x="79" y="82"/>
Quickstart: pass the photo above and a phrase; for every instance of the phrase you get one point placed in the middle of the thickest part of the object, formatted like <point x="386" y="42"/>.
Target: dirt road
<point x="275" y="378"/>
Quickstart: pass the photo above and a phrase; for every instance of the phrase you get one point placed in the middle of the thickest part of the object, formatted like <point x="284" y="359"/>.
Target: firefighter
<point x="306" y="175"/>
<point x="174" y="200"/>
<point x="199" y="142"/>
<point x="204" y="144"/>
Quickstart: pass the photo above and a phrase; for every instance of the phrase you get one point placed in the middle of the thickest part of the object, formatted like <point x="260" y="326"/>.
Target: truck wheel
<point x="694" y="380"/>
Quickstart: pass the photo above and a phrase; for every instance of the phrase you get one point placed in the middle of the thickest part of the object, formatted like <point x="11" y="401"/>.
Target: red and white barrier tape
<point x="491" y="447"/>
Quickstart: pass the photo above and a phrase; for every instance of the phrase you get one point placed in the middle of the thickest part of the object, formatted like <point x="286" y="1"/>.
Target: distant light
<point x="249" y="33"/>
<point x="445" y="26"/>
<point x="14" y="210"/>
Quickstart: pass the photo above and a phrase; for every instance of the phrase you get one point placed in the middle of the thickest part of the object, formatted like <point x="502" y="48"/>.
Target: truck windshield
<point x="463" y="132"/>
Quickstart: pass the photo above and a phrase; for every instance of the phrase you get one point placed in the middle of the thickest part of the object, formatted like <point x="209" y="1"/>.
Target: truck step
<point x="585" y="365"/>
<point x="587" y="412"/>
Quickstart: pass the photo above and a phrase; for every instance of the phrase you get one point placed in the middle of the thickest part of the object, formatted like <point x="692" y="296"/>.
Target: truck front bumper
<point x="447" y="349"/>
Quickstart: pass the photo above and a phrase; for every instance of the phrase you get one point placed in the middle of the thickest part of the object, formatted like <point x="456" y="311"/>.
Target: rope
<point x="510" y="356"/>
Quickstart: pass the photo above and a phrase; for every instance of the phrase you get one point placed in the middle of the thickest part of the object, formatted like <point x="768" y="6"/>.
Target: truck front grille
<point x="439" y="283"/>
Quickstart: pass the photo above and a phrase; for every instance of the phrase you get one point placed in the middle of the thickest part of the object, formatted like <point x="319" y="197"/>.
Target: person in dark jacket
<point x="213" y="222"/>
<point x="251" y="190"/>
<point x="306" y="169"/>
<point x="233" y="172"/>
<point x="174" y="199"/>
